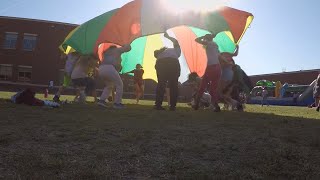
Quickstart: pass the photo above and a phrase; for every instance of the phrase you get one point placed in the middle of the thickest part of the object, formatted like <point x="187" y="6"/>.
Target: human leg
<point x="114" y="77"/>
<point x="104" y="75"/>
<point x="173" y="85"/>
<point x="168" y="95"/>
<point x="215" y="75"/>
<point x="203" y="85"/>
<point x="162" y="81"/>
<point x="137" y="92"/>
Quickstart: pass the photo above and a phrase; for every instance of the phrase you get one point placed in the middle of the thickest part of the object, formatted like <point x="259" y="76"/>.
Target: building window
<point x="6" y="72"/>
<point x="25" y="73"/>
<point x="10" y="40"/>
<point x="29" y="42"/>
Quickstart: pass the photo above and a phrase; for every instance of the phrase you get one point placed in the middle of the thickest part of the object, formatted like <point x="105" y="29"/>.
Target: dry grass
<point x="88" y="142"/>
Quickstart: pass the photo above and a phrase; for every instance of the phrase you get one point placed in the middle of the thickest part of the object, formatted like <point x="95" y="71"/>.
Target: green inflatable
<point x="265" y="83"/>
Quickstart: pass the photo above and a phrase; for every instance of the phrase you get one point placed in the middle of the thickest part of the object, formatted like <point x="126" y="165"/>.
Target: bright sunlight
<point x="180" y="6"/>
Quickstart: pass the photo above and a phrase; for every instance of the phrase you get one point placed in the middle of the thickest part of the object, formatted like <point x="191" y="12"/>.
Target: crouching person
<point x="110" y="75"/>
<point x="194" y="81"/>
<point x="80" y="77"/>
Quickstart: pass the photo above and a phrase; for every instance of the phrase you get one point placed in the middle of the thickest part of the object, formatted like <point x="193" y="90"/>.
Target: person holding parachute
<point x="168" y="71"/>
<point x="109" y="74"/>
<point x="212" y="74"/>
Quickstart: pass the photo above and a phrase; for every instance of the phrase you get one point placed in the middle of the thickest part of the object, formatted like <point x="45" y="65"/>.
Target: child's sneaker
<point x="118" y="106"/>
<point x="172" y="108"/>
<point x="102" y="103"/>
<point x="215" y="108"/>
<point x="51" y="104"/>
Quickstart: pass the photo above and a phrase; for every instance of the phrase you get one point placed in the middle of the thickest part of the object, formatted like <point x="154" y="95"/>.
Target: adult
<point x="211" y="78"/>
<point x="168" y="71"/>
<point x="109" y="74"/>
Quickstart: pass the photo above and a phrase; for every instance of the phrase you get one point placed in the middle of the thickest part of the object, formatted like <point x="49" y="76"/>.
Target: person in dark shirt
<point x="138" y="81"/>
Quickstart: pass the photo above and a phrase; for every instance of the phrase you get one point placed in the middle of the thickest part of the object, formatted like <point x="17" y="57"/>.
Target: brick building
<point x="296" y="77"/>
<point x="29" y="50"/>
<point x="29" y="54"/>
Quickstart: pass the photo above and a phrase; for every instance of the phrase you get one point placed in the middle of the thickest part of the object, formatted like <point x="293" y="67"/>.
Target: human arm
<point x="124" y="49"/>
<point x="201" y="40"/>
<point x="173" y="40"/>
<point x="130" y="72"/>
<point x="175" y="44"/>
<point x="237" y="51"/>
<point x="222" y="58"/>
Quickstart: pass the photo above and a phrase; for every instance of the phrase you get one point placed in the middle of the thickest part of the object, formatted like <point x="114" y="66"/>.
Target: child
<point x="264" y="96"/>
<point x="27" y="97"/>
<point x="80" y="77"/>
<point x="195" y="81"/>
<point x="213" y="72"/>
<point x="71" y="60"/>
<point x="138" y="81"/>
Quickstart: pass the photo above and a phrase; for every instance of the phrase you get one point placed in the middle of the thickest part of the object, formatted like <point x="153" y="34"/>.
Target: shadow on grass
<point x="87" y="142"/>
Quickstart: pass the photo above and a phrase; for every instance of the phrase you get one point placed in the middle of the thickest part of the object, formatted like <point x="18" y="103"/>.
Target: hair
<point x="138" y="65"/>
<point x="163" y="49"/>
<point x="211" y="36"/>
<point x="193" y="76"/>
<point x="157" y="52"/>
<point x="112" y="47"/>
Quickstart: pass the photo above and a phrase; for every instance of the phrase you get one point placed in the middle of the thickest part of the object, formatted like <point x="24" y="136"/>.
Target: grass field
<point x="88" y="142"/>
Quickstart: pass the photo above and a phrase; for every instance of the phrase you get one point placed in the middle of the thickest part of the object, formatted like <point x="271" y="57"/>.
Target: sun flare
<point x="194" y="5"/>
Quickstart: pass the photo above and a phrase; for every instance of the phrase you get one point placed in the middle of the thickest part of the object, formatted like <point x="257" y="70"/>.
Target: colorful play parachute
<point x="147" y="17"/>
<point x="192" y="59"/>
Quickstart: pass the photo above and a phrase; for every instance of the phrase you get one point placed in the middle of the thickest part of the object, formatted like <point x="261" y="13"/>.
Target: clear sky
<point x="283" y="35"/>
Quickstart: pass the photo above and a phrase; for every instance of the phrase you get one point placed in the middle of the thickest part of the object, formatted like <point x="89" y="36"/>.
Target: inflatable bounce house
<point x="282" y="95"/>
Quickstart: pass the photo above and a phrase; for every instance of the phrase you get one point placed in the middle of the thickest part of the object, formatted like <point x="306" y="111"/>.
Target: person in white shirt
<point x="168" y="71"/>
<point x="212" y="75"/>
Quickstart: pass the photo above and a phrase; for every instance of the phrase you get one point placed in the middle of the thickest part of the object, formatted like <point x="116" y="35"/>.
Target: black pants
<point x="168" y="71"/>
